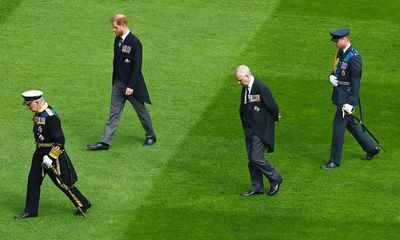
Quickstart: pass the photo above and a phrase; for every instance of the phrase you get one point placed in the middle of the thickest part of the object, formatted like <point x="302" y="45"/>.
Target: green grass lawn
<point x="188" y="185"/>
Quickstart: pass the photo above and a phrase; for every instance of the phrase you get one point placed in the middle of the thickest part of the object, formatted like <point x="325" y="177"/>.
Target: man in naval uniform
<point x="49" y="157"/>
<point x="127" y="84"/>
<point x="258" y="113"/>
<point x="346" y="79"/>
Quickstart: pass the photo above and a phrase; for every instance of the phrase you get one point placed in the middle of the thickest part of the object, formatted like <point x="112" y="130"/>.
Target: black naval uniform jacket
<point x="348" y="70"/>
<point x="49" y="135"/>
<point x="127" y="66"/>
<point x="260" y="113"/>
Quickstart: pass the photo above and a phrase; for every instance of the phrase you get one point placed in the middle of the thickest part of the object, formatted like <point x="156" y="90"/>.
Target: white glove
<point x="47" y="161"/>
<point x="333" y="80"/>
<point x="348" y="108"/>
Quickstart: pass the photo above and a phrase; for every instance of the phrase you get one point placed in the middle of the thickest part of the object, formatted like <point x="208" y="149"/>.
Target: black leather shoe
<point x="275" y="188"/>
<point x="98" y="146"/>
<point x="25" y="215"/>
<point x="84" y="209"/>
<point x="371" y="154"/>
<point x="251" y="193"/>
<point x="330" y="165"/>
<point x="149" y="141"/>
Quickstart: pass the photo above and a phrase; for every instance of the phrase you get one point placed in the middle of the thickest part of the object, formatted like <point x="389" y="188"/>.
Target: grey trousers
<point x="258" y="165"/>
<point x="340" y="124"/>
<point x="118" y="99"/>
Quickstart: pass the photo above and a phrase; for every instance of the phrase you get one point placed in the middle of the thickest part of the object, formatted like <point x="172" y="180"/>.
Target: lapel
<point x="127" y="40"/>
<point x="253" y="88"/>
<point x="116" y="40"/>
<point x="127" y="45"/>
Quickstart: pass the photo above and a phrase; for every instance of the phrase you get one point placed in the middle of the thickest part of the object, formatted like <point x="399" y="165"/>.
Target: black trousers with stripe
<point x="35" y="180"/>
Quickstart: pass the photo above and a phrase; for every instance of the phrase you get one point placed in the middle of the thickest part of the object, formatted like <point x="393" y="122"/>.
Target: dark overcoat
<point x="260" y="113"/>
<point x="127" y="66"/>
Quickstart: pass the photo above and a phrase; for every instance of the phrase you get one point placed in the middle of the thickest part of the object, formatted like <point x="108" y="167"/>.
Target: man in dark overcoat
<point x="258" y="113"/>
<point x="127" y="84"/>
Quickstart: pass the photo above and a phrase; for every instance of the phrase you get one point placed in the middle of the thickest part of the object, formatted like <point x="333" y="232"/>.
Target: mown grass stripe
<point x="197" y="193"/>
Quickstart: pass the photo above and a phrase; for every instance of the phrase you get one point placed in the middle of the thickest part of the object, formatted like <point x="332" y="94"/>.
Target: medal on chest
<point x="254" y="98"/>
<point x="126" y="48"/>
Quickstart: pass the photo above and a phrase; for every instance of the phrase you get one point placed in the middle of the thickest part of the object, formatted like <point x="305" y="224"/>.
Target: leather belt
<point x="42" y="145"/>
<point x="344" y="83"/>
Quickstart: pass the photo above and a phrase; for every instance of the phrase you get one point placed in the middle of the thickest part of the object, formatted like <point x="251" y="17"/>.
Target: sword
<point x="62" y="184"/>
<point x="366" y="129"/>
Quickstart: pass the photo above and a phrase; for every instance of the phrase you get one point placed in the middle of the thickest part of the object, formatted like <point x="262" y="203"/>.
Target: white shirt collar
<point x="126" y="34"/>
<point x="45" y="105"/>
<point x="345" y="49"/>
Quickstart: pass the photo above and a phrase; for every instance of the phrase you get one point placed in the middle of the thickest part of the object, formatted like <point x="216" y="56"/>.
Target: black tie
<point x="119" y="42"/>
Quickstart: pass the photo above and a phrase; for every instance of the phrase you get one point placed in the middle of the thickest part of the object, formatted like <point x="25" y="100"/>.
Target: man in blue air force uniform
<point x="49" y="157"/>
<point x="258" y="113"/>
<point x="346" y="79"/>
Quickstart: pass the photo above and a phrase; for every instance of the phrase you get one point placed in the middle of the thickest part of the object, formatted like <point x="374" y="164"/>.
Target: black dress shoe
<point x="25" y="215"/>
<point x="371" y="154"/>
<point x="275" y="188"/>
<point x="330" y="165"/>
<point x="251" y="193"/>
<point x="149" y="141"/>
<point x="84" y="209"/>
<point x="98" y="146"/>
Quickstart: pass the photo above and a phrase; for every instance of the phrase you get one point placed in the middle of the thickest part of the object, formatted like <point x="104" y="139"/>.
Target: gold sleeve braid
<point x="55" y="152"/>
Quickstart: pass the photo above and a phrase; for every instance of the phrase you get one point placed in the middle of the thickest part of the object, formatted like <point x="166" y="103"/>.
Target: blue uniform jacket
<point x="348" y="70"/>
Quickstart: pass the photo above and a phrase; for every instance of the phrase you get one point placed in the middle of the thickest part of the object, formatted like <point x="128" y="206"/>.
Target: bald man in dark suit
<point x="258" y="113"/>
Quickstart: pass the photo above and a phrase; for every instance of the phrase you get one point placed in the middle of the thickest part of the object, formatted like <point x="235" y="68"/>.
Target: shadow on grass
<point x="6" y="9"/>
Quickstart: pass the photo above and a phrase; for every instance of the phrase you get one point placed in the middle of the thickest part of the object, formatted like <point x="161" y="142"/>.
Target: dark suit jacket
<point x="261" y="113"/>
<point x="349" y="71"/>
<point x="127" y="66"/>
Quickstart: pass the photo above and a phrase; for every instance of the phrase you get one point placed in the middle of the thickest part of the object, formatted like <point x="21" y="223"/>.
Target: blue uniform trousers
<point x="340" y="123"/>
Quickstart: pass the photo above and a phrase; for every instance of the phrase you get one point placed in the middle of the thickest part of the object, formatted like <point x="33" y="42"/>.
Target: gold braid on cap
<point x="55" y="152"/>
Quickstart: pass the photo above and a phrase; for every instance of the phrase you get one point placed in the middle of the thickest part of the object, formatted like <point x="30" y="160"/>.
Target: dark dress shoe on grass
<point x="84" y="209"/>
<point x="371" y="154"/>
<point x="330" y="165"/>
<point x="98" y="146"/>
<point x="25" y="215"/>
<point x="275" y="188"/>
<point x="251" y="193"/>
<point x="149" y="141"/>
